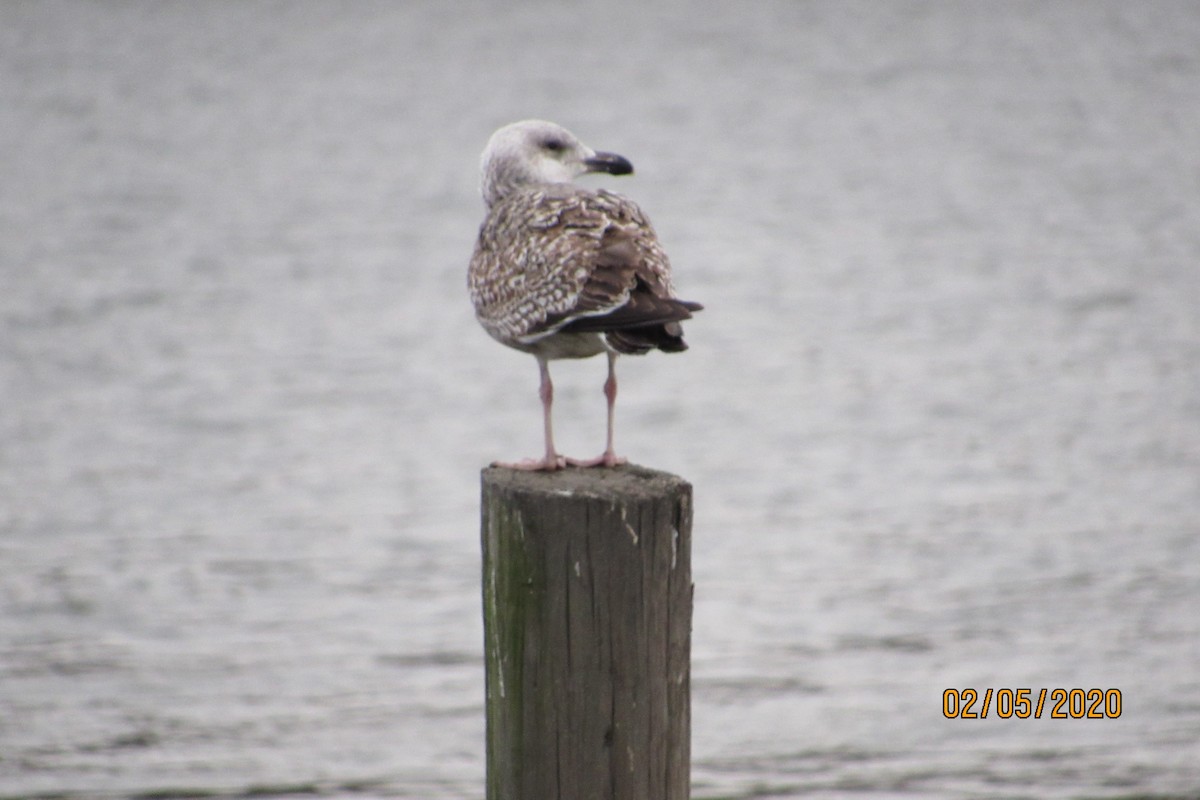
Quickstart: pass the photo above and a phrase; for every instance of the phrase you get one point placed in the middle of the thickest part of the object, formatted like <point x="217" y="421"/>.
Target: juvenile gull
<point x="560" y="271"/>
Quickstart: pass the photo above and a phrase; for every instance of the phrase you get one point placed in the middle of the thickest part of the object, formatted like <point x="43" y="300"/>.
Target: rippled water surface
<point x="941" y="413"/>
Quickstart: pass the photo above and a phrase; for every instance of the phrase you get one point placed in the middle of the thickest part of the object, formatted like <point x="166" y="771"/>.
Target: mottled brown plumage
<point x="560" y="271"/>
<point x="550" y="261"/>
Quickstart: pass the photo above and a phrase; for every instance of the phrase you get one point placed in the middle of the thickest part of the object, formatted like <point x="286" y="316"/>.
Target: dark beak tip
<point x="611" y="163"/>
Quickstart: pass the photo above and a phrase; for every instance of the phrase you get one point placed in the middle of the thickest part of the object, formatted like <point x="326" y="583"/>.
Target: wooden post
<point x="587" y="606"/>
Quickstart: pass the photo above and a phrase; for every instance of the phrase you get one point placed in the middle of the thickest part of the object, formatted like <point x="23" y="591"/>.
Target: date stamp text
<point x="1031" y="703"/>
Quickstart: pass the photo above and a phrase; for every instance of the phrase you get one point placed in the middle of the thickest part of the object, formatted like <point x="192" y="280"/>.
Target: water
<point x="942" y="411"/>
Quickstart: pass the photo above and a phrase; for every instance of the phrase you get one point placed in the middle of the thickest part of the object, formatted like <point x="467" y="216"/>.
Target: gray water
<point x="942" y="410"/>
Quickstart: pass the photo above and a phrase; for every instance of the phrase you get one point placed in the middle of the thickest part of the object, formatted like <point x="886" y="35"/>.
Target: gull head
<point x="535" y="151"/>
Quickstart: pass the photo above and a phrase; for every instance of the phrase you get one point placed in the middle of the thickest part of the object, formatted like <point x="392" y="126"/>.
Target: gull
<point x="562" y="271"/>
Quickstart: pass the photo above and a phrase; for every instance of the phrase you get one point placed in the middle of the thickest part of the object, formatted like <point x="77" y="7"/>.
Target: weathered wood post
<point x="587" y="605"/>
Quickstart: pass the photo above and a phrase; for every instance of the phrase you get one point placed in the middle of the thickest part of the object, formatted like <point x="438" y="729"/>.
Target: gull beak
<point x="611" y="163"/>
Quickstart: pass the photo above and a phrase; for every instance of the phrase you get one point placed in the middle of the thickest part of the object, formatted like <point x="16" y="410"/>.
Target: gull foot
<point x="605" y="459"/>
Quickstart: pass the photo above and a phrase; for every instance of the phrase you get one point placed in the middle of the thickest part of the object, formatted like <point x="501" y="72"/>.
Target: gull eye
<point x="554" y="145"/>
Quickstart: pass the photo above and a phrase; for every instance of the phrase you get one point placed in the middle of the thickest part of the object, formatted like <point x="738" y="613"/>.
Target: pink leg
<point x="609" y="457"/>
<point x="551" y="460"/>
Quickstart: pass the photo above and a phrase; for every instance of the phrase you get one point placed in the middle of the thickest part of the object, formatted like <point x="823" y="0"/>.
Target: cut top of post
<point x="605" y="483"/>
